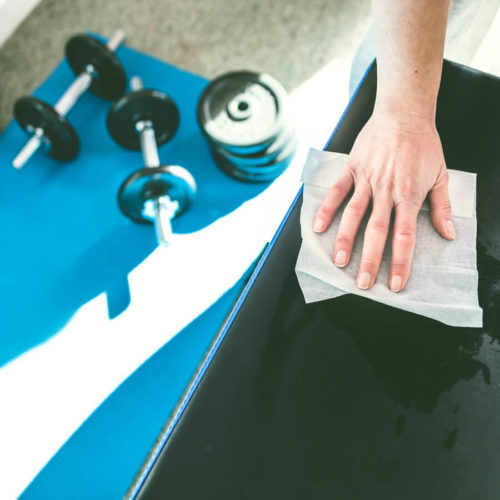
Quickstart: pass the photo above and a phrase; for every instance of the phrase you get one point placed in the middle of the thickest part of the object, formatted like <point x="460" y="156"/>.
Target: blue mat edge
<point x="165" y="435"/>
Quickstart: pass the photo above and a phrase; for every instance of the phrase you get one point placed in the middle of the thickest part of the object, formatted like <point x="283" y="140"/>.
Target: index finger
<point x="334" y="198"/>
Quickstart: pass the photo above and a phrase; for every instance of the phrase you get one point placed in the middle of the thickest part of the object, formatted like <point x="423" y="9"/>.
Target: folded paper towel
<point x="443" y="281"/>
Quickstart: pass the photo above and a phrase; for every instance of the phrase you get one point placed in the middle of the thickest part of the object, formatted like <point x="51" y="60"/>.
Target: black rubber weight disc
<point x="139" y="105"/>
<point x="152" y="182"/>
<point x="242" y="110"/>
<point x="32" y="113"/>
<point x="265" y="156"/>
<point x="258" y="173"/>
<point x="110" y="81"/>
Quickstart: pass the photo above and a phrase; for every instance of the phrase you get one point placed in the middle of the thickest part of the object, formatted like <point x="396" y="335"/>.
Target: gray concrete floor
<point x="291" y="39"/>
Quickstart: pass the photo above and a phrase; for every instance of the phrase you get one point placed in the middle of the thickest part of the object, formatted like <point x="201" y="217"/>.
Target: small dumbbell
<point x="156" y="193"/>
<point x="98" y="70"/>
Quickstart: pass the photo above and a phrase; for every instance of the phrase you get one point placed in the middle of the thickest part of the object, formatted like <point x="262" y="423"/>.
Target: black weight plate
<point x="275" y="165"/>
<point x="110" y="80"/>
<point x="260" y="173"/>
<point x="150" y="183"/>
<point x="242" y="109"/>
<point x="247" y="177"/>
<point x="245" y="150"/>
<point x="265" y="156"/>
<point x="139" y="105"/>
<point x="32" y="113"/>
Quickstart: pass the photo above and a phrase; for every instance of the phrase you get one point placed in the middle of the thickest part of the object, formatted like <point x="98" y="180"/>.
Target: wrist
<point x="413" y="104"/>
<point x="405" y="119"/>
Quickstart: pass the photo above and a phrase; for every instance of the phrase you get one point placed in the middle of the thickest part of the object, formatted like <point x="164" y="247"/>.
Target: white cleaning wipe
<point x="443" y="281"/>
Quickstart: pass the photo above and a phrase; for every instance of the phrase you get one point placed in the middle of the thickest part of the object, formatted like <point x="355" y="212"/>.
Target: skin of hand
<point x="397" y="158"/>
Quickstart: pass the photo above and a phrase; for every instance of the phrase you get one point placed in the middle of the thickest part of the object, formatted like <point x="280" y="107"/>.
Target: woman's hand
<point x="395" y="162"/>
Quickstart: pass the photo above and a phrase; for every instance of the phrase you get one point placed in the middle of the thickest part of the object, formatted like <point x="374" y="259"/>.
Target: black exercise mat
<point x="351" y="399"/>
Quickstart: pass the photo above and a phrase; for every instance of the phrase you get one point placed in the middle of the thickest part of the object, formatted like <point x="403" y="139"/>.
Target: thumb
<point x="441" y="207"/>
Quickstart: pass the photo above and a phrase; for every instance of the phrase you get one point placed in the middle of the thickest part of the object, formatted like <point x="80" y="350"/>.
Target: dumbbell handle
<point x="148" y="143"/>
<point x="146" y="132"/>
<point x="83" y="81"/>
<point x="66" y="102"/>
<point x="29" y="149"/>
<point x="75" y="91"/>
<point x="163" y="209"/>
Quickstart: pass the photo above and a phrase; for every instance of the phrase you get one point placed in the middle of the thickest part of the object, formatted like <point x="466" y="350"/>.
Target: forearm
<point x="409" y="37"/>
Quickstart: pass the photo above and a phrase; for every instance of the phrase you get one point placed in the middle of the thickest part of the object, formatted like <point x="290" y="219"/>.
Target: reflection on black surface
<point x="288" y="325"/>
<point x="489" y="291"/>
<point x="400" y="425"/>
<point x="337" y="395"/>
<point x="414" y="358"/>
<point x="450" y="438"/>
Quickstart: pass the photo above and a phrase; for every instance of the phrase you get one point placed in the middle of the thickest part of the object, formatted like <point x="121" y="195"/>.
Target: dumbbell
<point x="98" y="70"/>
<point x="156" y="194"/>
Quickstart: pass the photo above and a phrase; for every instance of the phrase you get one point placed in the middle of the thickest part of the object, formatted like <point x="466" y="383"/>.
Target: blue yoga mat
<point x="64" y="239"/>
<point x="65" y="242"/>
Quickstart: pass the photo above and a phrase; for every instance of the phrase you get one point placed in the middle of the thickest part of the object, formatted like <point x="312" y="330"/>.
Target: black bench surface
<point x="350" y="399"/>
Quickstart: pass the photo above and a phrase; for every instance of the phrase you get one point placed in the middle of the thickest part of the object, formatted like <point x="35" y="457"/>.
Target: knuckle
<point x="400" y="268"/>
<point x="324" y="211"/>
<point x="343" y="241"/>
<point x="411" y="207"/>
<point x="352" y="164"/>
<point x="444" y="205"/>
<point x="369" y="263"/>
<point x="405" y="233"/>
<point x="385" y="183"/>
<point x="443" y="174"/>
<point x="409" y="191"/>
<point x="337" y="191"/>
<point x="405" y="229"/>
<point x="351" y="170"/>
<point x="378" y="226"/>
<point x="355" y="209"/>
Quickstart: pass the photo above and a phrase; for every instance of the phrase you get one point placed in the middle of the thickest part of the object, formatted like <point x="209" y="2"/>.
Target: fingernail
<point x="341" y="258"/>
<point x="318" y="226"/>
<point x="396" y="283"/>
<point x="364" y="281"/>
<point x="451" y="229"/>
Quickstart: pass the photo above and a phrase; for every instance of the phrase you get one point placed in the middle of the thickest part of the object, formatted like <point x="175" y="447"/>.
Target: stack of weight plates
<point x="243" y="115"/>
